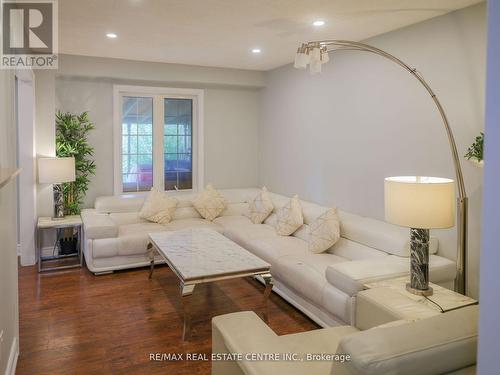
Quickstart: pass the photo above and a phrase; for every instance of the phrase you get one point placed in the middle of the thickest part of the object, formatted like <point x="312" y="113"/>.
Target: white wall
<point x="231" y="131"/>
<point x="333" y="137"/>
<point x="45" y="144"/>
<point x="9" y="323"/>
<point x="231" y="114"/>
<point x="27" y="163"/>
<point x="489" y="324"/>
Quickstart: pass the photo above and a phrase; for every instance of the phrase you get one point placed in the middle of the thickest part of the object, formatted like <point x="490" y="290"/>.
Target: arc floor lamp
<point x="316" y="53"/>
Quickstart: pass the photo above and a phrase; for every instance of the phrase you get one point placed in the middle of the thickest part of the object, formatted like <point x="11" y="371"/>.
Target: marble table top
<point x="446" y="298"/>
<point x="198" y="254"/>
<point x="68" y="221"/>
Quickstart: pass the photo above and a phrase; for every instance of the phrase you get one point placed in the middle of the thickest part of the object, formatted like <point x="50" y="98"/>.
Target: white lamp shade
<point x="56" y="170"/>
<point x="420" y="202"/>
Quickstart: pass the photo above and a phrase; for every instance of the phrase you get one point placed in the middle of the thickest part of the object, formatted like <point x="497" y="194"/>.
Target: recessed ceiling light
<point x="318" y="23"/>
<point x="256" y="50"/>
<point x="111" y="35"/>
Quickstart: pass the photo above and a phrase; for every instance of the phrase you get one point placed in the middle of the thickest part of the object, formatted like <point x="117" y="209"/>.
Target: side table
<point x="44" y="223"/>
<point x="388" y="300"/>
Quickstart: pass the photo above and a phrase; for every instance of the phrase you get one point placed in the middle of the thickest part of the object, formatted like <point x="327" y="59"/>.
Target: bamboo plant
<point x="71" y="141"/>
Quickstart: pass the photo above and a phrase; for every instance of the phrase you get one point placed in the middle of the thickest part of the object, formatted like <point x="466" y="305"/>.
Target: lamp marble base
<point x="58" y="202"/>
<point x="419" y="262"/>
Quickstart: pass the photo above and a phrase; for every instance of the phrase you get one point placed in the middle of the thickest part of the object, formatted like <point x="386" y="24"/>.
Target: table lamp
<point x="420" y="203"/>
<point x="56" y="171"/>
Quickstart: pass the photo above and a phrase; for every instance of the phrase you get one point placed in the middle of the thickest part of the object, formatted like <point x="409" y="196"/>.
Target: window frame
<point x="159" y="94"/>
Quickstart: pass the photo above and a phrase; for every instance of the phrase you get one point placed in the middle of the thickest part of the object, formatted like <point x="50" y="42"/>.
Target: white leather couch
<point x="436" y="344"/>
<point x="323" y="286"/>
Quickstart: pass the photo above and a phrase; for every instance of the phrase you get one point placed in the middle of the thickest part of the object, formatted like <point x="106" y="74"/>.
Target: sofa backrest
<point x="370" y="232"/>
<point x="437" y="345"/>
<point x="124" y="208"/>
<point x="376" y="234"/>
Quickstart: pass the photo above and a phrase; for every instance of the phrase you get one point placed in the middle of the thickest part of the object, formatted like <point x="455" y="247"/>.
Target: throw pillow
<point x="158" y="207"/>
<point x="324" y="231"/>
<point x="289" y="217"/>
<point x="260" y="207"/>
<point x="209" y="203"/>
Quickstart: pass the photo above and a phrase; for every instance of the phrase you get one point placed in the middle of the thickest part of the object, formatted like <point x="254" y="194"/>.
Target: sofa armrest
<point x="98" y="225"/>
<point x="245" y="333"/>
<point x="350" y="277"/>
<point x="241" y="332"/>
<point x="439" y="344"/>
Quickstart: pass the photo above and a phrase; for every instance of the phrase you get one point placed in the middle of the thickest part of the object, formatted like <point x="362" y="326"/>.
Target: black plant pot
<point x="68" y="245"/>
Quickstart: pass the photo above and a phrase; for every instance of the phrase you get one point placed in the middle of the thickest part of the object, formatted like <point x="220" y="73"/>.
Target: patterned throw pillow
<point x="289" y="217"/>
<point x="260" y="207"/>
<point x="209" y="203"/>
<point x="158" y="207"/>
<point x="324" y="231"/>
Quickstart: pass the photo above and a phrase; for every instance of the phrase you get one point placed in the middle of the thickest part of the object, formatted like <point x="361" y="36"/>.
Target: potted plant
<point x="71" y="141"/>
<point x="475" y="152"/>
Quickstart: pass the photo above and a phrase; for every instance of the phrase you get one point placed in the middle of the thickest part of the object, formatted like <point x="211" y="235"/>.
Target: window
<point x="178" y="142"/>
<point x="158" y="139"/>
<point x="137" y="144"/>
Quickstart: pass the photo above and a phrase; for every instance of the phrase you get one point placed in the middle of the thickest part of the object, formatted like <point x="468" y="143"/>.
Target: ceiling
<point x="222" y="33"/>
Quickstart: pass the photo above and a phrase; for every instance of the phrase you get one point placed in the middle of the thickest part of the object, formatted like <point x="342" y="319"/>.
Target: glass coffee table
<point x="199" y="256"/>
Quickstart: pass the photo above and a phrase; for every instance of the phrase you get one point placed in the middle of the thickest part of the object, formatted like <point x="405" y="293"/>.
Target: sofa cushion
<point x="98" y="225"/>
<point x="230" y="221"/>
<point x="260" y="207"/>
<point x="119" y="203"/>
<point x="122" y="218"/>
<point x="209" y="203"/>
<point x="355" y="251"/>
<point x="235" y="209"/>
<point x="272" y="248"/>
<point x="134" y="244"/>
<point x="350" y="277"/>
<point x="158" y="207"/>
<point x="324" y="231"/>
<point x="243" y="234"/>
<point x="437" y="345"/>
<point x="379" y="234"/>
<point x="305" y="273"/>
<point x="140" y="228"/>
<point x="193" y="223"/>
<point x="289" y="217"/>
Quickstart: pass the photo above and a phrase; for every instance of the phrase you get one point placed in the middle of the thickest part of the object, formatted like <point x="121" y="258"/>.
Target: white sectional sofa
<point x="323" y="286"/>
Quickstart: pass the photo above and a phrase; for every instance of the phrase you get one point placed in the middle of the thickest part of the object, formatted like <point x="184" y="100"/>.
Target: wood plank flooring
<point x="72" y="322"/>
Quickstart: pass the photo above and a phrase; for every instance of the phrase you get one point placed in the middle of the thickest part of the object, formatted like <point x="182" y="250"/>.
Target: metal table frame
<point x="187" y="286"/>
<point x="59" y="226"/>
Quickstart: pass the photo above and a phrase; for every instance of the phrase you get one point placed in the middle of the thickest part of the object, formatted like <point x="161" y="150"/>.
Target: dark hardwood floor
<point x="72" y="322"/>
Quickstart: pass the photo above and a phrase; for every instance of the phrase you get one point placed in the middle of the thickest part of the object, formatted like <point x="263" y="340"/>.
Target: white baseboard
<point x="18" y="250"/>
<point x="13" y="356"/>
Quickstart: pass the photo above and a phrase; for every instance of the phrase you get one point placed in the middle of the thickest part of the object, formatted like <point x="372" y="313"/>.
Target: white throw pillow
<point x="158" y="207"/>
<point x="261" y="207"/>
<point x="324" y="231"/>
<point x="289" y="217"/>
<point x="209" y="203"/>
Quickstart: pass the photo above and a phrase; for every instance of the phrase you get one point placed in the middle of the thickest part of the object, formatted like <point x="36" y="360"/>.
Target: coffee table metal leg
<point x="151" y="254"/>
<point x="268" y="279"/>
<point x="186" y="292"/>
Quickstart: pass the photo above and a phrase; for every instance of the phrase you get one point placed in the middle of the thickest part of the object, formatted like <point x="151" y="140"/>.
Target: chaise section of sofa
<point x="323" y="286"/>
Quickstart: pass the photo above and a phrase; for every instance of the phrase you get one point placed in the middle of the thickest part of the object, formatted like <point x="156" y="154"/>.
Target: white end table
<point x="44" y="223"/>
<point x="388" y="300"/>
